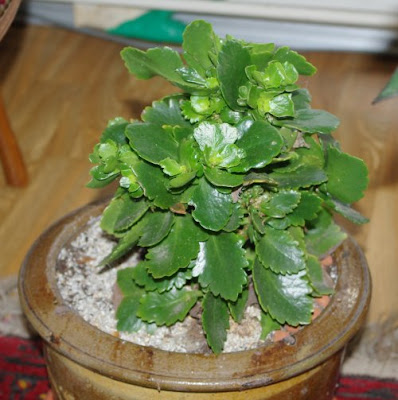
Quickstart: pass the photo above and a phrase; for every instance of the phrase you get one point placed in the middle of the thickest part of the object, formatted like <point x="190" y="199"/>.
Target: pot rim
<point x="68" y="334"/>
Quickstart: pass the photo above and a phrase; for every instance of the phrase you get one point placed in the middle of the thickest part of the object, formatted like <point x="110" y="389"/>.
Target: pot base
<point x="70" y="381"/>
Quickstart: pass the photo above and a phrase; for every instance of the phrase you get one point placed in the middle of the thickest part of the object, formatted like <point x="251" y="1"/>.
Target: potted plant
<point x="229" y="188"/>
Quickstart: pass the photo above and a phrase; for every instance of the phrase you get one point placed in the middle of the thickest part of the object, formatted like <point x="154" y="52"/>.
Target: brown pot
<point x="86" y="363"/>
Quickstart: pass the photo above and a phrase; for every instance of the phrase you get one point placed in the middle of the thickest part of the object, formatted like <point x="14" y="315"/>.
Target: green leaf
<point x="173" y="253"/>
<point x="143" y="278"/>
<point x="155" y="227"/>
<point x="279" y="204"/>
<point x="154" y="183"/>
<point x="215" y="136"/>
<point x="125" y="244"/>
<point x="223" y="261"/>
<point x="217" y="143"/>
<point x="301" y="99"/>
<point x="125" y="281"/>
<point x="181" y="180"/>
<point x="276" y="75"/>
<point x="258" y="177"/>
<point x="261" y="142"/>
<point x="261" y="59"/>
<point x="282" y="105"/>
<point x="315" y="276"/>
<point x="115" y="131"/>
<point x="311" y="121"/>
<point x="99" y="173"/>
<point x="302" y="66"/>
<point x="310" y="204"/>
<point x="152" y="142"/>
<point x="237" y="308"/>
<point x="347" y="176"/>
<point x="122" y="212"/>
<point x="279" y="106"/>
<point x="192" y="75"/>
<point x="212" y="208"/>
<point x="161" y="61"/>
<point x="309" y="154"/>
<point x="304" y="176"/>
<point x="235" y="220"/>
<point x="390" y="90"/>
<point x="169" y="307"/>
<point x="190" y="114"/>
<point x="306" y="169"/>
<point x="199" y="41"/>
<point x="323" y="235"/>
<point x="232" y="61"/>
<point x="346" y="211"/>
<point x="215" y="321"/>
<point x="285" y="297"/>
<point x="230" y="116"/>
<point x="126" y="314"/>
<point x="297" y="233"/>
<point x="165" y="112"/>
<point x="278" y="223"/>
<point x="257" y="221"/>
<point x="219" y="177"/>
<point x="97" y="184"/>
<point x="268" y="325"/>
<point x="171" y="167"/>
<point x="279" y="251"/>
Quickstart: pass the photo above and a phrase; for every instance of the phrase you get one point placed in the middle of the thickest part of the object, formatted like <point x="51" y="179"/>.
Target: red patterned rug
<point x="23" y="376"/>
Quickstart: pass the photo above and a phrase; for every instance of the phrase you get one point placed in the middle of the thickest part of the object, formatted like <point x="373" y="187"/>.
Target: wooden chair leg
<point x="10" y="154"/>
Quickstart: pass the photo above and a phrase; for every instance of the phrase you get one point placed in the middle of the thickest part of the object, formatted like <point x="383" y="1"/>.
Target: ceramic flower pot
<point x="85" y="363"/>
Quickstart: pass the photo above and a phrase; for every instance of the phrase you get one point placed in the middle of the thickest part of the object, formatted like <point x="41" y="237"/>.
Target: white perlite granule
<point x="89" y="291"/>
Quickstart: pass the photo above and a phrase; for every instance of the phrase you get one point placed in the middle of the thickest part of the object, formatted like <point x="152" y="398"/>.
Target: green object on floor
<point x="155" y="26"/>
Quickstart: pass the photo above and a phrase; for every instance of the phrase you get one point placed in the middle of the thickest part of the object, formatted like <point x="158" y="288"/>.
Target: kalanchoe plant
<point x="229" y="187"/>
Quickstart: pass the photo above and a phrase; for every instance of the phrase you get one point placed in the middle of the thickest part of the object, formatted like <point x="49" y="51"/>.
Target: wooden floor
<point x="60" y="88"/>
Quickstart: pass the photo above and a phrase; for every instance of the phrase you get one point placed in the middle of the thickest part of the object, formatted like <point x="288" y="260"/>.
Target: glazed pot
<point x="86" y="363"/>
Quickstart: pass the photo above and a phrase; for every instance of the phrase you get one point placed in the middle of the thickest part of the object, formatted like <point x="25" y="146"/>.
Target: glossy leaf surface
<point x="232" y="61"/>
<point x="261" y="143"/>
<point x="223" y="261"/>
<point x="285" y="297"/>
<point x="167" y="308"/>
<point x="279" y="251"/>
<point x="173" y="253"/>
<point x="142" y="277"/>
<point x="212" y="208"/>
